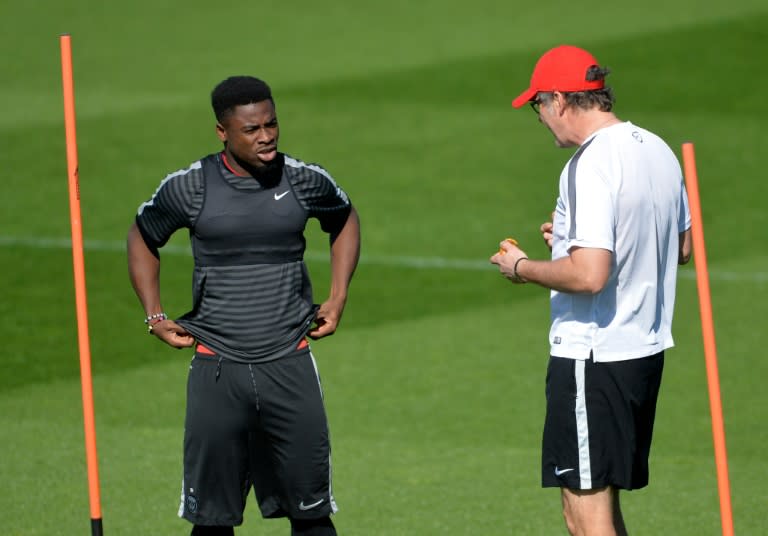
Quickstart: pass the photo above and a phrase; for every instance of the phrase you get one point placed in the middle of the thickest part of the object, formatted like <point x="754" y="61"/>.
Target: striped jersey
<point x="251" y="293"/>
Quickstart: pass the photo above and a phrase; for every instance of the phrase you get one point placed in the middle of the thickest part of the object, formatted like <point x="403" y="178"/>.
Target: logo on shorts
<point x="559" y="472"/>
<point x="192" y="504"/>
<point x="303" y="506"/>
<point x="557" y="340"/>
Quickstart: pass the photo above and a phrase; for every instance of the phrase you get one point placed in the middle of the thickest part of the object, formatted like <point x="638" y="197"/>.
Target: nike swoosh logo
<point x="559" y="472"/>
<point x="278" y="197"/>
<point x="303" y="506"/>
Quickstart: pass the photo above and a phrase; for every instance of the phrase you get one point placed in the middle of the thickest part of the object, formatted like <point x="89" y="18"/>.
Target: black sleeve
<point x="320" y="195"/>
<point x="174" y="205"/>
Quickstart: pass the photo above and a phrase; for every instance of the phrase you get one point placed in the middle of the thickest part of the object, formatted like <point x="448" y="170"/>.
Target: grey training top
<point x="252" y="298"/>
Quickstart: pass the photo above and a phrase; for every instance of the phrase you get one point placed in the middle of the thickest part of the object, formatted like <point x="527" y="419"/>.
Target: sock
<point x="313" y="527"/>
<point x="205" y="530"/>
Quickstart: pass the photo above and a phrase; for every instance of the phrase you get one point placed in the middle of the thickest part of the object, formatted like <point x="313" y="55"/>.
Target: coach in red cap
<point x="620" y="227"/>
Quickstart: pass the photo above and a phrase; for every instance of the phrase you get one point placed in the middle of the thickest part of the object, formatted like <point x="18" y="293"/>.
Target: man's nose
<point x="265" y="135"/>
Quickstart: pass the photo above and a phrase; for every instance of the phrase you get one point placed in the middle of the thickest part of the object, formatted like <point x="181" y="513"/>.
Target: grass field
<point x="434" y="382"/>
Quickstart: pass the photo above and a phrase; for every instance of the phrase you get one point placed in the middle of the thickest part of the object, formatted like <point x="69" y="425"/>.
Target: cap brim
<point x="524" y="97"/>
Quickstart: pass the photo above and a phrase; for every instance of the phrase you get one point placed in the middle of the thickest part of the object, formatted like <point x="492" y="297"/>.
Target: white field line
<point x="379" y="260"/>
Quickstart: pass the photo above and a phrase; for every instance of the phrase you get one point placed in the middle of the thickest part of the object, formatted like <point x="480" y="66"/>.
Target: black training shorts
<point x="599" y="422"/>
<point x="260" y="425"/>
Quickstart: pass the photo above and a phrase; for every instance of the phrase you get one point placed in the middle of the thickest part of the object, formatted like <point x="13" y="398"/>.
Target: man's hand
<point x="506" y="258"/>
<point x="546" y="232"/>
<point x="327" y="319"/>
<point x="172" y="334"/>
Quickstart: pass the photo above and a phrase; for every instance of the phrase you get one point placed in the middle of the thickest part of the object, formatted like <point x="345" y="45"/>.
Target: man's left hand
<point x="327" y="319"/>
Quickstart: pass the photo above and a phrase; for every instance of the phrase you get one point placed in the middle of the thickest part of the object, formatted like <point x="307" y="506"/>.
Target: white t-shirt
<point x="622" y="191"/>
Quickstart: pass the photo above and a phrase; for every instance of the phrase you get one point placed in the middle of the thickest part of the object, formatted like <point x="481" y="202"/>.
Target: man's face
<point x="549" y="109"/>
<point x="250" y="132"/>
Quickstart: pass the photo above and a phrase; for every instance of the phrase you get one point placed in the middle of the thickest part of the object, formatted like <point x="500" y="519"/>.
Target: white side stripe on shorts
<point x="183" y="499"/>
<point x="582" y="427"/>
<point x="334" y="508"/>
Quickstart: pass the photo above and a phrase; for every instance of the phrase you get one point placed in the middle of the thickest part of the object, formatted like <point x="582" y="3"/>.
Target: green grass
<point x="434" y="383"/>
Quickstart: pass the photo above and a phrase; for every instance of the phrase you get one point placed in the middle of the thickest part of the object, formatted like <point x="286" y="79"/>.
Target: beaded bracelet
<point x="153" y="319"/>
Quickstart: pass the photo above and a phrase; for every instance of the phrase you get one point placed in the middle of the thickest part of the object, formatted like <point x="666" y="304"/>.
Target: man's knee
<point x="588" y="511"/>
<point x="569" y="515"/>
<point x="570" y="523"/>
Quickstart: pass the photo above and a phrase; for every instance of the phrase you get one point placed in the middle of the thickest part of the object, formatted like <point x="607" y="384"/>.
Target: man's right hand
<point x="546" y="232"/>
<point x="172" y="334"/>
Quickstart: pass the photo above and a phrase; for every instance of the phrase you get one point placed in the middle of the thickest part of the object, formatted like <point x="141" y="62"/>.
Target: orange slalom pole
<point x="708" y="329"/>
<point x="80" y="292"/>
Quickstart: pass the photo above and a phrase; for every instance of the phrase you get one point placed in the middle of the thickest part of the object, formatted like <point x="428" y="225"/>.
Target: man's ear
<point x="221" y="132"/>
<point x="559" y="102"/>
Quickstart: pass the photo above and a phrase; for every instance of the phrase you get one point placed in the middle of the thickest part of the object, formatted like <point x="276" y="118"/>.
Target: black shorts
<point x="255" y="425"/>
<point x="599" y="422"/>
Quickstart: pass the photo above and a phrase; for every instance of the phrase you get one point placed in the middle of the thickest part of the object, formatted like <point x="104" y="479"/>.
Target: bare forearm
<point x="144" y="272"/>
<point x="686" y="247"/>
<point x="584" y="270"/>
<point x="345" y="253"/>
<point x="556" y="275"/>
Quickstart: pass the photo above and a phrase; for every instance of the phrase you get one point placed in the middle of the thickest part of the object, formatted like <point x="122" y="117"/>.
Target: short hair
<point x="238" y="91"/>
<point x="603" y="98"/>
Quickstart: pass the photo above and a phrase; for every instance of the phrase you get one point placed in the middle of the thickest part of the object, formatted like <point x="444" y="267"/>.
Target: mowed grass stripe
<point x="401" y="261"/>
<point x="423" y="33"/>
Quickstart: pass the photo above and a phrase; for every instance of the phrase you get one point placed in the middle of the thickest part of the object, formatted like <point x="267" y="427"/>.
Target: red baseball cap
<point x="562" y="68"/>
